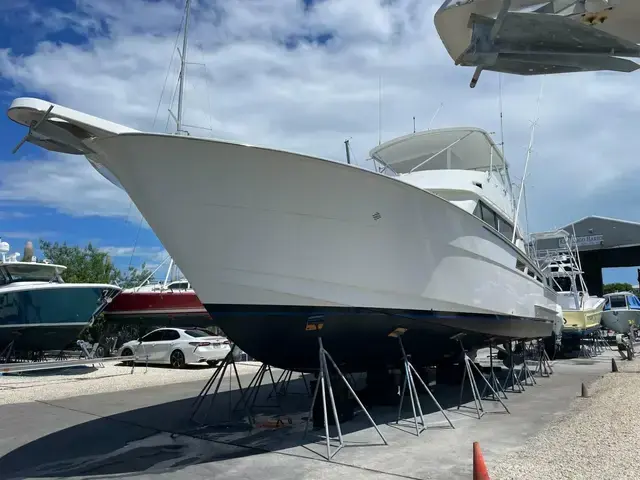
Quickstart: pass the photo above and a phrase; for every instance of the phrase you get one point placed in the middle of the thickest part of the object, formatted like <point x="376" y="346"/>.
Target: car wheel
<point x="127" y="352"/>
<point x="213" y="363"/>
<point x="177" y="359"/>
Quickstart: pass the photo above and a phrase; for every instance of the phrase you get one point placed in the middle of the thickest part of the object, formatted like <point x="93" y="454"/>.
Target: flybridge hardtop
<point x="533" y="37"/>
<point x="30" y="271"/>
<point x="464" y="148"/>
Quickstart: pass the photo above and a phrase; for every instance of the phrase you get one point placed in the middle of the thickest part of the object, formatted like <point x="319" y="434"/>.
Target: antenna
<point x="346" y="148"/>
<point x="379" y="109"/>
<point x="501" y="119"/>
<point x="526" y="162"/>
<point x="434" y="115"/>
<point x="183" y="68"/>
<point x="414" y="124"/>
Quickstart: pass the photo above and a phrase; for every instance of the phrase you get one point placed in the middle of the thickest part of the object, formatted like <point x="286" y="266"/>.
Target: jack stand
<point x="249" y="395"/>
<point x="409" y="382"/>
<point x="469" y="367"/>
<point x="603" y="342"/>
<point x="493" y="382"/>
<point x="511" y="374"/>
<point x="544" y="362"/>
<point x="526" y="371"/>
<point x="135" y="357"/>
<point x="324" y="383"/>
<point x="283" y="381"/>
<point x="217" y="378"/>
<point x="7" y="351"/>
<point x="585" y="350"/>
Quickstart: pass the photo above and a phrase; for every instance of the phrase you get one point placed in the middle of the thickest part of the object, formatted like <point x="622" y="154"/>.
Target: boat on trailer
<point x="429" y="242"/>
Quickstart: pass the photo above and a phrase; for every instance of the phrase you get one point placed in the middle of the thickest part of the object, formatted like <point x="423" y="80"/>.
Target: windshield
<point x="31" y="272"/>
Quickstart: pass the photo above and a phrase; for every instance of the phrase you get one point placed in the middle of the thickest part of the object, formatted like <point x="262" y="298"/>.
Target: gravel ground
<point x="597" y="440"/>
<point x="71" y="382"/>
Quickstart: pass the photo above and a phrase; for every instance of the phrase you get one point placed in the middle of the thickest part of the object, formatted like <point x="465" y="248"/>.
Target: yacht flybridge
<point x="430" y="243"/>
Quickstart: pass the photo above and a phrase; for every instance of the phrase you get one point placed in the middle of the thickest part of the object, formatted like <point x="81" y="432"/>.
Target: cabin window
<point x="618" y="301"/>
<point x="520" y="265"/>
<point x="489" y="216"/>
<point x="3" y="278"/>
<point x="505" y="228"/>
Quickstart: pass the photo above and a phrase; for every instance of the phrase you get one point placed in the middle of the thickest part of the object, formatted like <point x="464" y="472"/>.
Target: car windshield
<point x="197" y="333"/>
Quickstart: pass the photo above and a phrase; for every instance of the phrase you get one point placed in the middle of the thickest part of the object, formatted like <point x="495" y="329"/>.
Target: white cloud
<point x="311" y="98"/>
<point x="67" y="183"/>
<point x="154" y="255"/>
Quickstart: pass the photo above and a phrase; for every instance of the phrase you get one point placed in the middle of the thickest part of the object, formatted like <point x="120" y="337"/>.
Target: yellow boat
<point x="584" y="321"/>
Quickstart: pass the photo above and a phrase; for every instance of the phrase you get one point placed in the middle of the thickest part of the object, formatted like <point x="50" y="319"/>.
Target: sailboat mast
<point x="183" y="66"/>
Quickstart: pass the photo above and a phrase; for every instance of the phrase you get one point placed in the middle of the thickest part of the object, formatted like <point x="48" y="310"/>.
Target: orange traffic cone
<point x="479" y="468"/>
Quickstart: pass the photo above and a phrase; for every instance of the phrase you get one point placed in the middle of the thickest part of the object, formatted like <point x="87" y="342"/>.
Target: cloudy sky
<point x="292" y="74"/>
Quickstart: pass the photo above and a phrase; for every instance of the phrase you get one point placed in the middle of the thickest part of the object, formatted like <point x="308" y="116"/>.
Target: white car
<point x="177" y="347"/>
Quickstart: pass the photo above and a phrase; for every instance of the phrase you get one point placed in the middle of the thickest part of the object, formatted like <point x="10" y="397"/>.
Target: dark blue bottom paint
<point x="357" y="338"/>
<point x="47" y="318"/>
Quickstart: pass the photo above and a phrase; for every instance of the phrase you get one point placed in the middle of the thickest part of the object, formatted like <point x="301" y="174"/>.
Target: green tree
<point x="91" y="265"/>
<point x="617" y="287"/>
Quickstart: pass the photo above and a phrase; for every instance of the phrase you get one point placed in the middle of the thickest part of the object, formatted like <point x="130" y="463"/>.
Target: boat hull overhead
<point x="291" y="237"/>
<point x="531" y="37"/>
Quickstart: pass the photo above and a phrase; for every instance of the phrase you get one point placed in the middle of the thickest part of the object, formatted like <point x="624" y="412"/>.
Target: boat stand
<point x="249" y="395"/>
<point x="217" y="378"/>
<point x="469" y="369"/>
<point x="7" y="352"/>
<point x="603" y="343"/>
<point x="409" y="383"/>
<point x="544" y="362"/>
<point x="324" y="384"/>
<point x="493" y="380"/>
<point x="585" y="350"/>
<point x="525" y="370"/>
<point x="512" y="377"/>
<point x="283" y="382"/>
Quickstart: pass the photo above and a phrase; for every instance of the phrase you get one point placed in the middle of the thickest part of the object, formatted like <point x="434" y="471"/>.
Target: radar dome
<point x="4" y="247"/>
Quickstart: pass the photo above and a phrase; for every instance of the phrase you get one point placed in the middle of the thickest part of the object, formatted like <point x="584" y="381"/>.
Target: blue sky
<point x="292" y="74"/>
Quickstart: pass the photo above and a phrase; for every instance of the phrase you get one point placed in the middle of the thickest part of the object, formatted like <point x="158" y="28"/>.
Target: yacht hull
<point x="158" y="309"/>
<point x="50" y="316"/>
<point x="580" y="323"/>
<point x="292" y="236"/>
<point x="618" y="319"/>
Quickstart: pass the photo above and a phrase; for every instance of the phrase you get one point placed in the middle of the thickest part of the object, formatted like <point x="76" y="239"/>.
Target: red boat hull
<point x="162" y="309"/>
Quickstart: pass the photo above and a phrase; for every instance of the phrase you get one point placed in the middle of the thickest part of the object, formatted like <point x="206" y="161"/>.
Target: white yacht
<point x="427" y="243"/>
